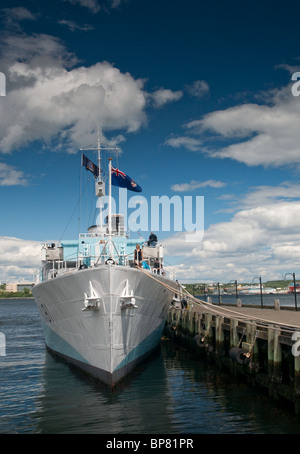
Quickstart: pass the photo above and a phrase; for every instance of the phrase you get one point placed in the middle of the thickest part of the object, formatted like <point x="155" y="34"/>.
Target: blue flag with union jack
<point x="122" y="180"/>
<point x="89" y="165"/>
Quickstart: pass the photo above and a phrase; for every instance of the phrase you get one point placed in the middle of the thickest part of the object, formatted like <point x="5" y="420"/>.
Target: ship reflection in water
<point x="173" y="392"/>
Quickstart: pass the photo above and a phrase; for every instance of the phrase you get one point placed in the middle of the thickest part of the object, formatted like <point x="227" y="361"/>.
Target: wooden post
<point x="252" y="344"/>
<point x="274" y="360"/>
<point x="208" y="330"/>
<point x="197" y="322"/>
<point x="219" y="336"/>
<point x="234" y="337"/>
<point x="277" y="361"/>
<point x="249" y="333"/>
<point x="192" y="322"/>
<point x="270" y="350"/>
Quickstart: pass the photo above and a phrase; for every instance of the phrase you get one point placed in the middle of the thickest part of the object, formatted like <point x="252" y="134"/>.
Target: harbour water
<point x="172" y="393"/>
<point x="267" y="300"/>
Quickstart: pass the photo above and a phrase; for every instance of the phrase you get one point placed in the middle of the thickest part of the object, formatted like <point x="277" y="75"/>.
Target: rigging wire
<point x="78" y="203"/>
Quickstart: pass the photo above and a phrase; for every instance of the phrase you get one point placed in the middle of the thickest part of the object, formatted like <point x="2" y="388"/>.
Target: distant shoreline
<point x="16" y="297"/>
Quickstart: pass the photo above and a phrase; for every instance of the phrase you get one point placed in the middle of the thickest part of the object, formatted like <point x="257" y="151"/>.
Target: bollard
<point x="239" y="302"/>
<point x="277" y="305"/>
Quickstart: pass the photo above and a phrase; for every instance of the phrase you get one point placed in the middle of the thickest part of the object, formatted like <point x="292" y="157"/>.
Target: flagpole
<point x="99" y="158"/>
<point x="99" y="177"/>
<point x="109" y="207"/>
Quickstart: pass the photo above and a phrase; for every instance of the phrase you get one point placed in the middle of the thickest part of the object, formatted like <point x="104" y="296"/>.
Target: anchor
<point x="127" y="299"/>
<point x="91" y="302"/>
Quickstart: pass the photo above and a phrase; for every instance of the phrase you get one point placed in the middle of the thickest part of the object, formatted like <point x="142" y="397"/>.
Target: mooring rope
<point x="220" y="311"/>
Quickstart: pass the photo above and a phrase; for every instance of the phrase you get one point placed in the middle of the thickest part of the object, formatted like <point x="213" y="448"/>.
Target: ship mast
<point x="100" y="184"/>
<point x="109" y="210"/>
<point x="99" y="157"/>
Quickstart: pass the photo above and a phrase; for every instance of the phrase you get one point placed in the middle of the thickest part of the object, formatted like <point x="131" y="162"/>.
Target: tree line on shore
<point x="210" y="288"/>
<point x="26" y="293"/>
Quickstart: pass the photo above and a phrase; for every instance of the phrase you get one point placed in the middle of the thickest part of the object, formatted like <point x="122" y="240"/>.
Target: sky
<point x="200" y="97"/>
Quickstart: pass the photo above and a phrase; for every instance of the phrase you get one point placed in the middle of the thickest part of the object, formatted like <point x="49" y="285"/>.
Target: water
<point x="254" y="300"/>
<point x="173" y="393"/>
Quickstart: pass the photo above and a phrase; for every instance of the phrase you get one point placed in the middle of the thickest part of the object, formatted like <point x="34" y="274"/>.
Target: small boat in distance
<point x="292" y="288"/>
<point x="100" y="310"/>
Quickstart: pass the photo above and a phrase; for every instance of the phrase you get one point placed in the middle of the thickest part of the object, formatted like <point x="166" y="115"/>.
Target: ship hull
<point x="105" y="320"/>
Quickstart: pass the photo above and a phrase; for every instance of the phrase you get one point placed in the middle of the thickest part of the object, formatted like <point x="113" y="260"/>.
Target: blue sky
<point x="198" y="97"/>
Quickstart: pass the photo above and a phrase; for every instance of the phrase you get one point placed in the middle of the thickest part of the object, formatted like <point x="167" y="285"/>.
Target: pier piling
<point x="256" y="343"/>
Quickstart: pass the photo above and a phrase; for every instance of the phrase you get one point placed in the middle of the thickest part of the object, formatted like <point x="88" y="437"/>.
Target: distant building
<point x="18" y="286"/>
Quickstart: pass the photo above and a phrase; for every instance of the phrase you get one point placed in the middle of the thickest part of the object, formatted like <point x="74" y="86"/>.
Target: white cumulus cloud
<point x="198" y="88"/>
<point x="20" y="259"/>
<point x="10" y="176"/>
<point x="183" y="187"/>
<point x="49" y="100"/>
<point x="164" y="95"/>
<point x="190" y="143"/>
<point x="265" y="134"/>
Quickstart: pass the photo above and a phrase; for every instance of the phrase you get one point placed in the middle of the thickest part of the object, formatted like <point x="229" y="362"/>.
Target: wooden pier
<point x="258" y="344"/>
